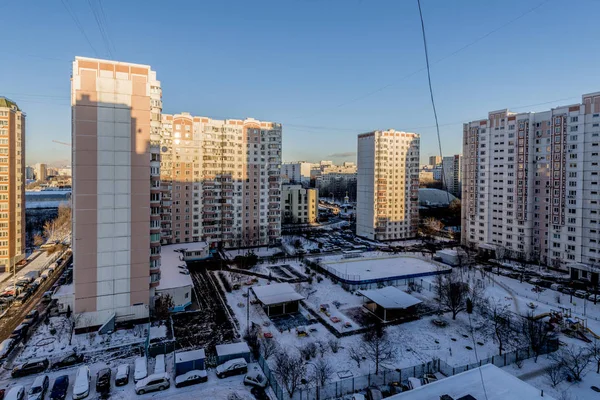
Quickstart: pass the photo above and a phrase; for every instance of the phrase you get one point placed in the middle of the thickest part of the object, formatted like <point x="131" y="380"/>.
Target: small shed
<point x="226" y="352"/>
<point x="278" y="298"/>
<point x="389" y="303"/>
<point x="186" y="361"/>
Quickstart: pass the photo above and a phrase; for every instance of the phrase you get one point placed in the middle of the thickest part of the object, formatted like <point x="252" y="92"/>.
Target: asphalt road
<point x="15" y="315"/>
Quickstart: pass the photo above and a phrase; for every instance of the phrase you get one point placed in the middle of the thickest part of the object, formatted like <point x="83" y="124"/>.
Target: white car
<point x="141" y="369"/>
<point x="152" y="383"/>
<point x="255" y="378"/>
<point x="16" y="393"/>
<point x="81" y="389"/>
<point x="236" y="366"/>
<point x="122" y="375"/>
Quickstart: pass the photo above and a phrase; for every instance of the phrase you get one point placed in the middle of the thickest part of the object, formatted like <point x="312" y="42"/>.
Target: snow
<point x="192" y="355"/>
<point x="397" y="267"/>
<point x="170" y="275"/>
<point x="390" y="297"/>
<point x="158" y="332"/>
<point x="63" y="291"/>
<point x="231" y="349"/>
<point x="276" y="293"/>
<point x="259" y="251"/>
<point x="488" y="381"/>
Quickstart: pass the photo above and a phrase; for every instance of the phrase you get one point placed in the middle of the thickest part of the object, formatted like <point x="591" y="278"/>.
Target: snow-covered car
<point x="236" y="366"/>
<point x="122" y="375"/>
<point x="81" y="389"/>
<point x="6" y="347"/>
<point x="38" y="389"/>
<point x="191" y="378"/>
<point x="580" y="293"/>
<point x="594" y="297"/>
<point x="141" y="369"/>
<point x="255" y="378"/>
<point x="16" y="393"/>
<point x="375" y="394"/>
<point x="414" y="383"/>
<point x="159" y="365"/>
<point x="68" y="360"/>
<point x="152" y="383"/>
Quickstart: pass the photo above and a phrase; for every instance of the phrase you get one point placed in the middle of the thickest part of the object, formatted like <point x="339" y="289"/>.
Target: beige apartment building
<point x="116" y="117"/>
<point x="388" y="185"/>
<point x="299" y="205"/>
<point x="12" y="184"/>
<point x="221" y="181"/>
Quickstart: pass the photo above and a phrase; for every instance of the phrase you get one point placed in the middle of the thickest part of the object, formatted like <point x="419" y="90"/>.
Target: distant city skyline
<point x="357" y="67"/>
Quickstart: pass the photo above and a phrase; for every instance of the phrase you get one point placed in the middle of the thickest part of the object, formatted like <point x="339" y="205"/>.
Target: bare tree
<point x="377" y="347"/>
<point x="535" y="333"/>
<point x="594" y="348"/>
<point x="574" y="359"/>
<point x="323" y="371"/>
<point x="322" y="345"/>
<point x="355" y="355"/>
<point x="163" y="306"/>
<point x="38" y="240"/>
<point x="268" y="347"/>
<point x="500" y="318"/>
<point x="432" y="226"/>
<point x="290" y="369"/>
<point x="452" y="292"/>
<point x="334" y="344"/>
<point x="555" y="374"/>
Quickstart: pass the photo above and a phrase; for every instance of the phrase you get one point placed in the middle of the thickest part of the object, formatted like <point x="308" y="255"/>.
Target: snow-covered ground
<point x="259" y="251"/>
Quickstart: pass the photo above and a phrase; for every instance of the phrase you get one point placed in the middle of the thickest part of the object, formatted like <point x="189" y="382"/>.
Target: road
<point x="15" y="315"/>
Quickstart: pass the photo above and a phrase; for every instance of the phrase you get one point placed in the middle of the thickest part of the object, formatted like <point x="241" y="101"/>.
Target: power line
<point x="103" y="34"/>
<point x="105" y="24"/>
<point x="78" y="24"/>
<point x="477" y="40"/>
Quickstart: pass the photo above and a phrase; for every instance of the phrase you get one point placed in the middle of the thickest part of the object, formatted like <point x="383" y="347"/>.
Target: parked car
<point x="35" y="366"/>
<point x="21" y="299"/>
<point x="152" y="383"/>
<point x="38" y="390"/>
<point x="141" y="369"/>
<point x="255" y="378"/>
<point x="47" y="296"/>
<point x="374" y="394"/>
<point x="122" y="375"/>
<point x="81" y="389"/>
<point x="414" y="383"/>
<point x="566" y="290"/>
<point x="580" y="293"/>
<point x="20" y="331"/>
<point x="260" y="394"/>
<point x="60" y="388"/>
<point x="103" y="380"/>
<point x="594" y="297"/>
<point x="535" y="281"/>
<point x="6" y="347"/>
<point x="16" y="393"/>
<point x="68" y="360"/>
<point x="31" y="317"/>
<point x="191" y="378"/>
<point x="556" y="286"/>
<point x="236" y="366"/>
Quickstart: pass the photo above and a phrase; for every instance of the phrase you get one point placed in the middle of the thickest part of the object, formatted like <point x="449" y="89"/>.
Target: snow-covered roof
<point x="192" y="355"/>
<point x="232" y="349"/>
<point x="171" y="259"/>
<point x="276" y="293"/>
<point x="62" y="291"/>
<point x="390" y="297"/>
<point x="499" y="385"/>
<point x="449" y="252"/>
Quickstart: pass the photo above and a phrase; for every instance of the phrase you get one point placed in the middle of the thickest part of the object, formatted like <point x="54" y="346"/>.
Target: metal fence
<point x="385" y="377"/>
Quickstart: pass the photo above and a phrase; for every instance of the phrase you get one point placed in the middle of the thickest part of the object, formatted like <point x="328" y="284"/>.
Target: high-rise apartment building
<point x="41" y="172"/>
<point x="116" y="116"/>
<point x="451" y="167"/>
<point x="531" y="183"/>
<point x="299" y="205"/>
<point x="29" y="172"/>
<point x="12" y="185"/>
<point x="221" y="181"/>
<point x="297" y="172"/>
<point x="388" y="185"/>
<point x="435" y="160"/>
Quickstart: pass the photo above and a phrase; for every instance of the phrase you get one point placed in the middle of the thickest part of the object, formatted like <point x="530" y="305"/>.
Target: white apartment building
<point x="41" y="172"/>
<point x="297" y="172"/>
<point x="388" y="184"/>
<point x="221" y="181"/>
<point x="531" y="183"/>
<point x="299" y="205"/>
<point x="451" y="167"/>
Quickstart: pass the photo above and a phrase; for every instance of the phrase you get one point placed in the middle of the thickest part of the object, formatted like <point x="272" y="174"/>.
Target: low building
<point x="389" y="303"/>
<point x="486" y="382"/>
<point x="584" y="272"/>
<point x="186" y="361"/>
<point x="226" y="352"/>
<point x="299" y="205"/>
<point x="278" y="298"/>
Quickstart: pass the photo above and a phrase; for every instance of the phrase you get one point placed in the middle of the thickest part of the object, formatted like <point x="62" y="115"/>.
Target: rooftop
<point x="192" y="355"/>
<point x="171" y="258"/>
<point x="499" y="385"/>
<point x="276" y="293"/>
<point x="232" y="348"/>
<point x="390" y="297"/>
<point x="4" y="102"/>
<point x="429" y="197"/>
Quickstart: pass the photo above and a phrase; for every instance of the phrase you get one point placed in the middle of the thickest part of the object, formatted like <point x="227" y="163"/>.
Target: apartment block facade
<point x="116" y="119"/>
<point x="531" y="183"/>
<point x="297" y="172"/>
<point x="12" y="184"/>
<point x="451" y="166"/>
<point x="299" y="205"/>
<point x="221" y="181"/>
<point x="388" y="184"/>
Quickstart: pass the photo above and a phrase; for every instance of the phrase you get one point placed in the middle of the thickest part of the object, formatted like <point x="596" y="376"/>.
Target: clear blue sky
<point x="304" y="63"/>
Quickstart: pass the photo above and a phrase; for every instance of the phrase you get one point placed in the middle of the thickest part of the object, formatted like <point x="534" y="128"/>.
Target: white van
<point x="159" y="366"/>
<point x="81" y="389"/>
<point x="141" y="369"/>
